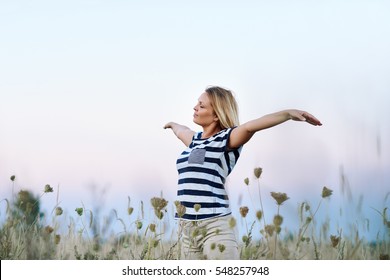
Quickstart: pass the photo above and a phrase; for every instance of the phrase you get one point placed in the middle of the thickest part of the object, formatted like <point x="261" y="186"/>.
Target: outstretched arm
<point x="243" y="133"/>
<point x="182" y="132"/>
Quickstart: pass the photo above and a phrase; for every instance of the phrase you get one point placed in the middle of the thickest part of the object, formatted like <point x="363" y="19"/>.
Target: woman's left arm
<point x="243" y="133"/>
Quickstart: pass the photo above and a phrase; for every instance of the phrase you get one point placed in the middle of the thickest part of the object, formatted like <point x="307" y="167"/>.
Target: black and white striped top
<point x="203" y="167"/>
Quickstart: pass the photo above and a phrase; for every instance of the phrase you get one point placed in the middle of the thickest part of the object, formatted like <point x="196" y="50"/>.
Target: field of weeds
<point x="27" y="233"/>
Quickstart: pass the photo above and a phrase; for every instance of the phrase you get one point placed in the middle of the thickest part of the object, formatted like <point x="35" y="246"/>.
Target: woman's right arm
<point x="182" y="132"/>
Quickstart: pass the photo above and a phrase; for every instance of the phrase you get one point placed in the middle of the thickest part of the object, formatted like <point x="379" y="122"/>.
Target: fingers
<point x="311" y="119"/>
<point x="168" y="125"/>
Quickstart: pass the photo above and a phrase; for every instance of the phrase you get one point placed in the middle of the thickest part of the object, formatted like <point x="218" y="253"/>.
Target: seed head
<point x="48" y="189"/>
<point x="180" y="210"/>
<point x="259" y="215"/>
<point x="152" y="227"/>
<point x="159" y="214"/>
<point x="246" y="181"/>
<point x="130" y="210"/>
<point x="57" y="239"/>
<point x="13" y="178"/>
<point x="269" y="229"/>
<point x="232" y="222"/>
<point x="213" y="246"/>
<point x="244" y="211"/>
<point x="221" y="247"/>
<point x="138" y="224"/>
<point x="59" y="211"/>
<point x="279" y="197"/>
<point x="79" y="211"/>
<point x="49" y="229"/>
<point x="335" y="240"/>
<point x="326" y="192"/>
<point x="197" y="207"/>
<point x="278" y="220"/>
<point x="158" y="203"/>
<point x="257" y="171"/>
<point x="196" y="232"/>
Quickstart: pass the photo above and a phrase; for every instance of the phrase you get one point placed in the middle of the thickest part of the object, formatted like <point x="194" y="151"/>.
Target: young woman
<point x="205" y="164"/>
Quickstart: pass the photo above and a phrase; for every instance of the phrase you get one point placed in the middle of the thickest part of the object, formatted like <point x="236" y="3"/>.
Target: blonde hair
<point x="224" y="105"/>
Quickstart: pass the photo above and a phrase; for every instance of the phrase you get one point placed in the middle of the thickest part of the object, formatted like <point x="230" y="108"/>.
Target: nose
<point x="196" y="107"/>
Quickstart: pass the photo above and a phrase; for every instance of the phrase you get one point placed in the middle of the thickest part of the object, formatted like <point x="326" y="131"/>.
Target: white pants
<point x="211" y="239"/>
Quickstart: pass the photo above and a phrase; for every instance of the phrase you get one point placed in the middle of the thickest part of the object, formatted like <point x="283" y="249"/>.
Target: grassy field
<point x="26" y="233"/>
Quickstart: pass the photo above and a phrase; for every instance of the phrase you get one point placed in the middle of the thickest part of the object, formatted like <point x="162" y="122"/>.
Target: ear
<point x="216" y="117"/>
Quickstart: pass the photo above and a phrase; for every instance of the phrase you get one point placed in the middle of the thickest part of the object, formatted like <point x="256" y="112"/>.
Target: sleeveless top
<point x="203" y="168"/>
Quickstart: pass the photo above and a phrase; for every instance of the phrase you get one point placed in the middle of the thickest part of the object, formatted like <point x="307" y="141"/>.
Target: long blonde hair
<point x="224" y="105"/>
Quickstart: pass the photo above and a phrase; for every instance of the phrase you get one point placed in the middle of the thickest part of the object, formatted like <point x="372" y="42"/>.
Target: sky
<point x="87" y="86"/>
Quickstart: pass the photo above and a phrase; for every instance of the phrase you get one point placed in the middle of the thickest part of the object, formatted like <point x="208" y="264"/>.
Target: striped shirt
<point x="203" y="168"/>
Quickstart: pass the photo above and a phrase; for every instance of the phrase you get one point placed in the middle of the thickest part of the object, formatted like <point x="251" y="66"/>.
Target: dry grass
<point x="28" y="234"/>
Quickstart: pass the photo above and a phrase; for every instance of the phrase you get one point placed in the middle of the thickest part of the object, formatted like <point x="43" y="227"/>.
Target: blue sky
<point x="86" y="87"/>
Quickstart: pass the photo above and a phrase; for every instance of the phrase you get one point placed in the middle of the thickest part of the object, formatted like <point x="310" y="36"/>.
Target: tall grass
<point x="26" y="233"/>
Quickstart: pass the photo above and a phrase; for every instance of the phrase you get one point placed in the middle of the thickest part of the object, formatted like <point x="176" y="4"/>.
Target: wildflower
<point x="326" y="192"/>
<point x="259" y="215"/>
<point x="49" y="229"/>
<point x="152" y="227"/>
<point x="335" y="240"/>
<point x="269" y="229"/>
<point x="57" y="239"/>
<point x="196" y="232"/>
<point x="130" y="210"/>
<point x="278" y="220"/>
<point x="158" y="203"/>
<point x="232" y="222"/>
<point x="244" y="211"/>
<point x="257" y="171"/>
<point x="221" y="247"/>
<point x="279" y="197"/>
<point x="159" y="214"/>
<point x="59" y="211"/>
<point x="197" y="207"/>
<point x="180" y="210"/>
<point x="13" y="178"/>
<point x="48" y="189"/>
<point x="246" y="181"/>
<point x="79" y="211"/>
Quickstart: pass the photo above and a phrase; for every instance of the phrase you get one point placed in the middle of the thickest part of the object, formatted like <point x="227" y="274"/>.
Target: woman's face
<point x="203" y="111"/>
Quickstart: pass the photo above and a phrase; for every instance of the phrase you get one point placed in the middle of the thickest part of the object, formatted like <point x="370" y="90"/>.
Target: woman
<point x="205" y="164"/>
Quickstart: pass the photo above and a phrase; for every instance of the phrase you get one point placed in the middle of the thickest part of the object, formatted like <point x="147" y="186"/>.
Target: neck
<point x="210" y="130"/>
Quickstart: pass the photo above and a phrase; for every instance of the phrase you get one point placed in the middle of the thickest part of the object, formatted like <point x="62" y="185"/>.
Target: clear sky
<point x="86" y="87"/>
